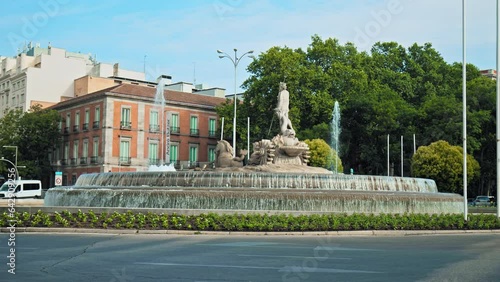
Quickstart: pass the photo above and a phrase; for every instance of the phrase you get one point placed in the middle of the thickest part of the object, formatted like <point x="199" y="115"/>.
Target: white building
<point x="46" y="76"/>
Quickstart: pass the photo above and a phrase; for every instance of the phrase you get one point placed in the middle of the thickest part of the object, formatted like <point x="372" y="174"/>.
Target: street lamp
<point x="235" y="61"/>
<point x="8" y="146"/>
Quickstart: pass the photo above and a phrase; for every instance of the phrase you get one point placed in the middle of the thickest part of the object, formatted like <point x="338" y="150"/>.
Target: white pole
<point x="222" y="130"/>
<point x="234" y="117"/>
<point x="498" y="108"/>
<point x="248" y="138"/>
<point x="388" y="165"/>
<point x="414" y="144"/>
<point x="402" y="156"/>
<point x="464" y="108"/>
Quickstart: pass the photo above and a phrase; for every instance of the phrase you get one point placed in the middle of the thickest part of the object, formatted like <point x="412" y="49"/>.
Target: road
<point x="112" y="257"/>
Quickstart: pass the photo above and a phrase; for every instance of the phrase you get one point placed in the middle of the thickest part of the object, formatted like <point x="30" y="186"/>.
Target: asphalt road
<point x="103" y="257"/>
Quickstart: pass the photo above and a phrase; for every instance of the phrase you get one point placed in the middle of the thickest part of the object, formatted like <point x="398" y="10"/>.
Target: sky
<point x="180" y="37"/>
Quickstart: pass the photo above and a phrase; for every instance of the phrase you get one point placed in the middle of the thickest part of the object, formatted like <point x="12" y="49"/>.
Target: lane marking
<point x="345" y="249"/>
<point x="280" y="269"/>
<point x="300" y="257"/>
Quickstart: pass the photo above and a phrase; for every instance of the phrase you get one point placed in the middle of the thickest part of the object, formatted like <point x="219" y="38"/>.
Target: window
<point x="97" y="118"/>
<point x="174" y="153"/>
<point x="124" y="152"/>
<point x="31" y="186"/>
<point x="174" y="124"/>
<point x="153" y="122"/>
<point x="211" y="154"/>
<point x="68" y="123"/>
<point x="193" y="126"/>
<point x="65" y="154"/>
<point x="193" y="155"/>
<point x="86" y="120"/>
<point x="95" y="150"/>
<point x="153" y="153"/>
<point x="125" y="119"/>
<point x="211" y="127"/>
<point x="76" y="127"/>
<point x="85" y="152"/>
<point x="75" y="152"/>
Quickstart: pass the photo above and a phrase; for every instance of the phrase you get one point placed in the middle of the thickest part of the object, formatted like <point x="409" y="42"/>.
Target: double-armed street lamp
<point x="235" y="62"/>
<point x="8" y="146"/>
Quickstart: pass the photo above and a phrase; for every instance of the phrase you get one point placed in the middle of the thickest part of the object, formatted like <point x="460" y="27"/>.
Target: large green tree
<point x="391" y="90"/>
<point x="443" y="163"/>
<point x="35" y="133"/>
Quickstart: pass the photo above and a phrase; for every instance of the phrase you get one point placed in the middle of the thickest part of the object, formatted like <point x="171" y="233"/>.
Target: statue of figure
<point x="282" y="109"/>
<point x="224" y="155"/>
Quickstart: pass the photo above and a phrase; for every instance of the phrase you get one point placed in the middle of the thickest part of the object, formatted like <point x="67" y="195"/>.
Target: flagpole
<point x="464" y="108"/>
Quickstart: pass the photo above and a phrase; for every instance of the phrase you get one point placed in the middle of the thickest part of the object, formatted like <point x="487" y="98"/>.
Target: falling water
<point x="160" y="105"/>
<point x="214" y="190"/>
<point x="335" y="133"/>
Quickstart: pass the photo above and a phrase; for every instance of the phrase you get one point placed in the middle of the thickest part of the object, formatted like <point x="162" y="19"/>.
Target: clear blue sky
<point x="180" y="38"/>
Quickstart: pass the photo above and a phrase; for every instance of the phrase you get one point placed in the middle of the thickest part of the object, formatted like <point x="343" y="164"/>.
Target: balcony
<point x="64" y="161"/>
<point x="194" y="132"/>
<point x="66" y="130"/>
<point x="175" y="130"/>
<point x="76" y="128"/>
<point x="126" y="125"/>
<point x="95" y="125"/>
<point x="154" y="128"/>
<point x="73" y="161"/>
<point x="212" y="133"/>
<point x="85" y="126"/>
<point x="83" y="160"/>
<point x="125" y="161"/>
<point x="94" y="159"/>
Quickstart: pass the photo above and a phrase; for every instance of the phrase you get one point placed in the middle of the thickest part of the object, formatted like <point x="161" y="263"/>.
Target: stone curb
<point x="247" y="233"/>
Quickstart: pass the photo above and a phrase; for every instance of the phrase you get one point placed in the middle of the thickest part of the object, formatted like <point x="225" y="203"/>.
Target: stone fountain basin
<point x="258" y="191"/>
<point x="239" y="199"/>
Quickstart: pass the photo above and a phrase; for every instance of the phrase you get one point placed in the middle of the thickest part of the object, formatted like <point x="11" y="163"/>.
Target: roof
<point x="147" y="92"/>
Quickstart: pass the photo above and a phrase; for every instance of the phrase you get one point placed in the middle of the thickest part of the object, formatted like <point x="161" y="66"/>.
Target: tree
<point x="323" y="156"/>
<point x="442" y="162"/>
<point x="36" y="134"/>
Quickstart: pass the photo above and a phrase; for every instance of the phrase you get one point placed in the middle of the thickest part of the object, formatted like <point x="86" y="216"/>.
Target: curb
<point x="363" y="233"/>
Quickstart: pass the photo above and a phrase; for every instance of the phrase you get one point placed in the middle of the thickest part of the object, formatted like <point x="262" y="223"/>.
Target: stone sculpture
<point x="224" y="155"/>
<point x="284" y="149"/>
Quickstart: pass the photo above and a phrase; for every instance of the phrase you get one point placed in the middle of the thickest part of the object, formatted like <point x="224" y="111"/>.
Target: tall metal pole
<point x="464" y="114"/>
<point x="222" y="130"/>
<point x="388" y="165"/>
<point x="402" y="156"/>
<point x="414" y="144"/>
<point x="498" y="108"/>
<point x="248" y="138"/>
<point x="234" y="100"/>
<point x="235" y="62"/>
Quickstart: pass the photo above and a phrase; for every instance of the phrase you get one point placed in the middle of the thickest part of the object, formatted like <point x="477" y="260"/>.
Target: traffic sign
<point x="58" y="178"/>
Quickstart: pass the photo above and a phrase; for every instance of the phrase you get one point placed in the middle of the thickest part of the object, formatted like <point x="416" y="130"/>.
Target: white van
<point x="21" y="189"/>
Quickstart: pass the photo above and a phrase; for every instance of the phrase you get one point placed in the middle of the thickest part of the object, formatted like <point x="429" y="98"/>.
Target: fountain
<point x="335" y="133"/>
<point x="277" y="178"/>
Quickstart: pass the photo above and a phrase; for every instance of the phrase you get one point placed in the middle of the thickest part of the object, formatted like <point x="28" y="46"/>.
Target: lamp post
<point x="8" y="146"/>
<point x="235" y="62"/>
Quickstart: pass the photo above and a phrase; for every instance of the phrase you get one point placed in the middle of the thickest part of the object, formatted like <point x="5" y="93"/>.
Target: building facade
<point x="46" y="76"/>
<point x="122" y="128"/>
<point x="489" y="73"/>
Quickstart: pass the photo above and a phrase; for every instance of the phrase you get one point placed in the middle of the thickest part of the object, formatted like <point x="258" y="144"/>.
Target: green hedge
<point x="251" y="222"/>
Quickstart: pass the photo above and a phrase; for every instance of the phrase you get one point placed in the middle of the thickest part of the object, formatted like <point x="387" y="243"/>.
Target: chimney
<point x="115" y="69"/>
<point x="166" y="78"/>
